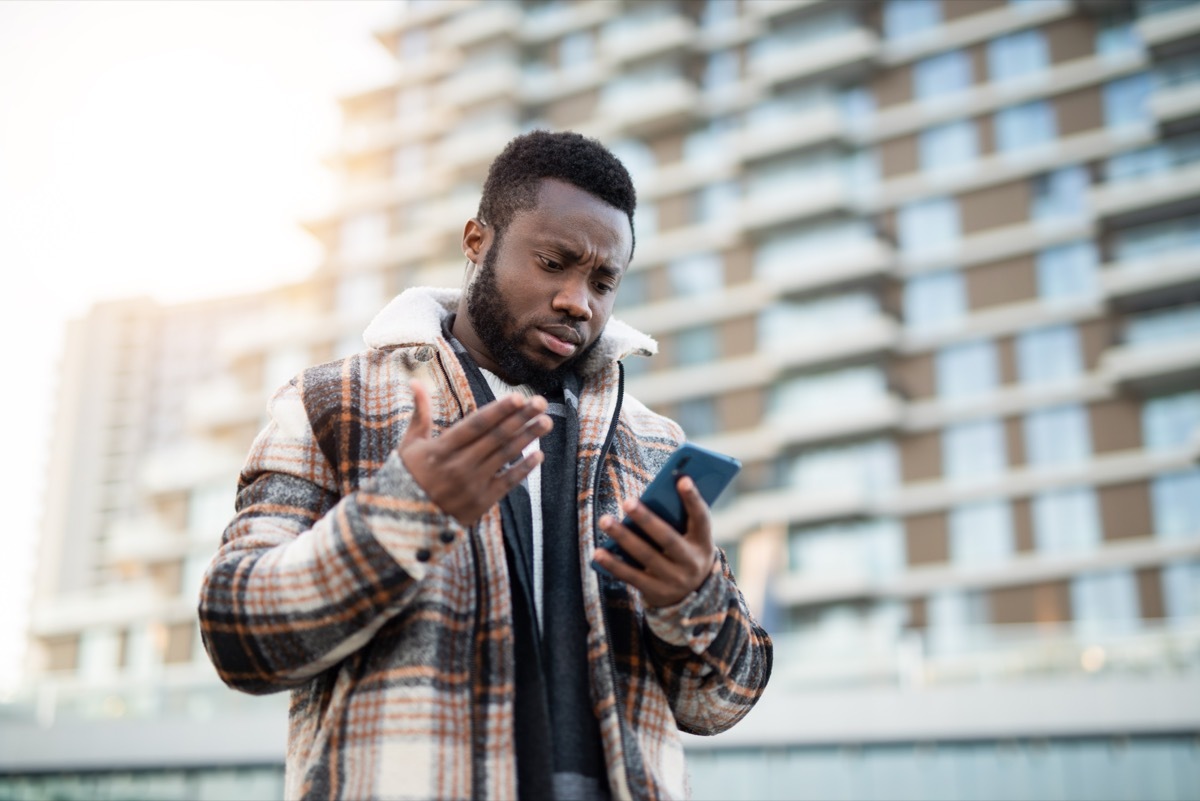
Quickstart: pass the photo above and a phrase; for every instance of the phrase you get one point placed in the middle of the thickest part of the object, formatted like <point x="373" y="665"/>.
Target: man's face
<point x="543" y="294"/>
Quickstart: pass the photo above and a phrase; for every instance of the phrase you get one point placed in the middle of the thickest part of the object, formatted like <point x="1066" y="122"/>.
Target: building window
<point x="928" y="226"/>
<point x="409" y="162"/>
<point x="935" y="301"/>
<point x="697" y="417"/>
<point x="1061" y="195"/>
<point x="954" y="616"/>
<point x="1164" y="325"/>
<point x="721" y="70"/>
<point x="1170" y="421"/>
<point x="981" y="533"/>
<point x="717" y="202"/>
<point x="1125" y="100"/>
<point x="638" y="159"/>
<point x="633" y="291"/>
<point x="645" y="221"/>
<point x="363" y="236"/>
<point x="1025" y="126"/>
<point x="358" y="295"/>
<point x="854" y="549"/>
<point x="1067" y="271"/>
<point x="696" y="346"/>
<point x="1017" y="55"/>
<point x="967" y="370"/>
<point x="869" y="467"/>
<point x="1048" y="354"/>
<point x="826" y="394"/>
<point x="1176" y="501"/>
<point x="1105" y="603"/>
<point x="1181" y="592"/>
<point x="1057" y="435"/>
<point x="576" y="50"/>
<point x="1115" y="34"/>
<point x="718" y="13"/>
<point x="948" y="147"/>
<point x="905" y="18"/>
<point x="1066" y="521"/>
<point x="698" y="274"/>
<point x="780" y="326"/>
<point x="973" y="451"/>
<point x="710" y="145"/>
<point x="942" y="77"/>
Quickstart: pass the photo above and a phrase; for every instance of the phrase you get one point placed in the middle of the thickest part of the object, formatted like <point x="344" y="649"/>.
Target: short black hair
<point x="516" y="175"/>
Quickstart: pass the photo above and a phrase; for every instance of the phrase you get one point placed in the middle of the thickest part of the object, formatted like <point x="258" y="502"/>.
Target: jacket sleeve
<point x="713" y="659"/>
<point x="304" y="577"/>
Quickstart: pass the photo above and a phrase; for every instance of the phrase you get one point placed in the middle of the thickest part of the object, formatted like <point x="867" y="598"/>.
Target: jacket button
<point x="446" y="537"/>
<point x="424" y="353"/>
<point x="424" y="555"/>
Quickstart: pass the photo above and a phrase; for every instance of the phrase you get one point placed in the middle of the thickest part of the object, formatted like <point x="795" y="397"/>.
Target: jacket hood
<point x="415" y="317"/>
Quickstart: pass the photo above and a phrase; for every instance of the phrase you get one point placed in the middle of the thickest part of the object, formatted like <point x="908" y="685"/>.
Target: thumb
<point x="420" y="426"/>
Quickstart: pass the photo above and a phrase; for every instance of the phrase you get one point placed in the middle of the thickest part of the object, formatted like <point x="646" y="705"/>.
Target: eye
<point x="550" y="264"/>
<point x="604" y="288"/>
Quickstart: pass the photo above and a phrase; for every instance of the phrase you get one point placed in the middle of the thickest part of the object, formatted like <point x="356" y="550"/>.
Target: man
<point x="411" y="555"/>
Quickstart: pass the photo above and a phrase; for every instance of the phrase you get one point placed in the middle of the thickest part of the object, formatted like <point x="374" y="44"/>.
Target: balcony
<point x="1170" y="30"/>
<point x="196" y="462"/>
<point x="798" y="200"/>
<point x="787" y="505"/>
<point x="481" y="83"/>
<point x="1153" y="367"/>
<point x="790" y="132"/>
<point x="873" y="336"/>
<point x="491" y="20"/>
<point x="222" y="404"/>
<point x="846" y="264"/>
<point x="1148" y="197"/>
<point x="777" y="434"/>
<point x="145" y="539"/>
<point x="646" y="108"/>
<point x="476" y="146"/>
<point x="632" y="38"/>
<point x="838" y="56"/>
<point x="1151" y="281"/>
<point x="554" y="20"/>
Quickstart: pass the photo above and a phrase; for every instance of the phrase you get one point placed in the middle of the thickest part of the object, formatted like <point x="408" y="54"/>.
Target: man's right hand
<point x="463" y="470"/>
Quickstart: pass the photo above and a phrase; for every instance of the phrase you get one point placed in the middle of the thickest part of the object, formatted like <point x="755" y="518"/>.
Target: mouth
<point x="560" y="339"/>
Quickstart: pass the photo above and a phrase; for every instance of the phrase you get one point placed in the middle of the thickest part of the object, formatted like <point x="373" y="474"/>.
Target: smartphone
<point x="712" y="473"/>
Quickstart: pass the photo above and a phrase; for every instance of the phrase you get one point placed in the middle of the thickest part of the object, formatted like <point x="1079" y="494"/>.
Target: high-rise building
<point x="931" y="270"/>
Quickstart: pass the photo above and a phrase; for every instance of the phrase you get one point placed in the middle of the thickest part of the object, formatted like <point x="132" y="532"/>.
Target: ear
<point x="477" y="238"/>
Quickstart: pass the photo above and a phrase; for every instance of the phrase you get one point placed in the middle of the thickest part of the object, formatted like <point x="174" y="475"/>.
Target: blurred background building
<point x="929" y="268"/>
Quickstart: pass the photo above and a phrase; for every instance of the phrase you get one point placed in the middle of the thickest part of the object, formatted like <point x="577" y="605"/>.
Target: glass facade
<point x="1066" y="521"/>
<point x="967" y="370"/>
<point x="1056" y="436"/>
<point x="1048" y="354"/>
<point x="974" y="451"/>
<point x="935" y="301"/>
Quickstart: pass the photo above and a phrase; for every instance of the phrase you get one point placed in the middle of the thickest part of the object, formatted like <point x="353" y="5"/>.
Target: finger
<point x="639" y="579"/>
<point x="506" y="441"/>
<point x="515" y="409"/>
<point x="420" y="425"/>
<point x="502" y="483"/>
<point x="509" y="451"/>
<point x="651" y="558"/>
<point x="699" y="516"/>
<point x="660" y="532"/>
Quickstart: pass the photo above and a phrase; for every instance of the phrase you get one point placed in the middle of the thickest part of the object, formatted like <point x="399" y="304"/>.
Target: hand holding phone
<point x="710" y="471"/>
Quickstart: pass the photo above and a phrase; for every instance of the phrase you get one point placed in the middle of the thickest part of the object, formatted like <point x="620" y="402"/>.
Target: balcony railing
<point x="996" y="653"/>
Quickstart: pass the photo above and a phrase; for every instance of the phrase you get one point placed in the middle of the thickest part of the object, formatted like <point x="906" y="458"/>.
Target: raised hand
<point x="678" y="565"/>
<point x="464" y="470"/>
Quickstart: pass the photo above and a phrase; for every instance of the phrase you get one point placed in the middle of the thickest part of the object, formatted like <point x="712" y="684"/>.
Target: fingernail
<point x="629" y="505"/>
<point x="605" y="521"/>
<point x="687" y="483"/>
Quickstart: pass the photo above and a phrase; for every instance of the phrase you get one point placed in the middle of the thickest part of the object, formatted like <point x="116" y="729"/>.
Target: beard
<point x="496" y="328"/>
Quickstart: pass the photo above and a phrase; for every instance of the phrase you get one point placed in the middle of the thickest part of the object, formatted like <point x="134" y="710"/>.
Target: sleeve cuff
<point x="693" y="622"/>
<point x="413" y="529"/>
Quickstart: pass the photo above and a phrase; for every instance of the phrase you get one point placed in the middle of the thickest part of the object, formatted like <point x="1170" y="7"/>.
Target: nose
<point x="572" y="299"/>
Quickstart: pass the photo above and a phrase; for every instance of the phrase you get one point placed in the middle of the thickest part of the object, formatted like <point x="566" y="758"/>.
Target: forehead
<point x="566" y="212"/>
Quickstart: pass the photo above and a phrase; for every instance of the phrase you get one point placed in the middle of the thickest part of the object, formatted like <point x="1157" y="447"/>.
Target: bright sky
<point x="165" y="149"/>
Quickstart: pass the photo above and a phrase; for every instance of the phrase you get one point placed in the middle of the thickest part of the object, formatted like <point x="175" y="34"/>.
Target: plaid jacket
<point x="340" y="580"/>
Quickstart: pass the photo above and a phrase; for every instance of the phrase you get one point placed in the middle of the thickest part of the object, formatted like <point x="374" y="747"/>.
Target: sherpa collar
<point x="416" y="314"/>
